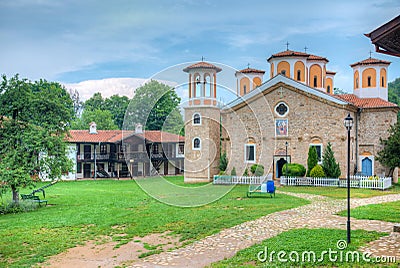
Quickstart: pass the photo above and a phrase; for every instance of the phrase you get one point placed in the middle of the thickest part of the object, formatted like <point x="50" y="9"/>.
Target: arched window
<point x="298" y="75"/>
<point x="329" y="89"/>
<point x="196" y="119"/>
<point x="383" y="81"/>
<point x="315" y="81"/>
<point x="244" y="89"/>
<point x="369" y="81"/>
<point x="196" y="144"/>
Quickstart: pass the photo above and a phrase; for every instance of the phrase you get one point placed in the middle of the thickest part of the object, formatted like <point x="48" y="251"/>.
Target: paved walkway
<point x="318" y="214"/>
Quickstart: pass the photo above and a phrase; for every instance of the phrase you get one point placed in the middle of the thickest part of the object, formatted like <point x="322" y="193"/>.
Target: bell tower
<point x="202" y="123"/>
<point x="370" y="78"/>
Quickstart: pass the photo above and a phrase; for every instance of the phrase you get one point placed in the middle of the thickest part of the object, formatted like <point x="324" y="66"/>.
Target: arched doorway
<point x="279" y="166"/>
<point x="366" y="167"/>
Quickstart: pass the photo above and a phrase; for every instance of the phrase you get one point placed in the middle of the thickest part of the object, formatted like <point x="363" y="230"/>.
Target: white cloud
<point x="110" y="86"/>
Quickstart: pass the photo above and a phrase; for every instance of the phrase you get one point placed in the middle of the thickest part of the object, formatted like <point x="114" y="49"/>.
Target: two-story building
<point x="118" y="154"/>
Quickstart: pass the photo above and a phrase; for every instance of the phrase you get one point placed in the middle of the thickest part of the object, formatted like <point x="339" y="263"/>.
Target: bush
<point x="317" y="172"/>
<point x="246" y="172"/>
<point x="294" y="170"/>
<point x="21" y="206"/>
<point x="257" y="170"/>
<point x="312" y="159"/>
<point x="233" y="172"/>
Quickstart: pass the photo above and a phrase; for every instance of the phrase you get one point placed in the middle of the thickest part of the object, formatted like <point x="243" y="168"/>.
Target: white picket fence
<point x="381" y="183"/>
<point x="226" y="179"/>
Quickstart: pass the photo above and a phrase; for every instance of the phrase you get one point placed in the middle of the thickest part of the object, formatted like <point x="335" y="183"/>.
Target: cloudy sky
<point x="71" y="41"/>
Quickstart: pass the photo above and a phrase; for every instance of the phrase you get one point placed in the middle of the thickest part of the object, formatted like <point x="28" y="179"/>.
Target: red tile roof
<point x="291" y="53"/>
<point x="159" y="136"/>
<point x="202" y="65"/>
<point x="370" y="61"/>
<point x="251" y="70"/>
<point x="112" y="136"/>
<point x="365" y="102"/>
<point x="85" y="136"/>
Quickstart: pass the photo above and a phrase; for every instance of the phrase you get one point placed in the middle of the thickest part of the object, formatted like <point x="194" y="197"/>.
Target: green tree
<point x="329" y="164"/>
<point x="102" y="118"/>
<point x="223" y="162"/>
<point x="96" y="102"/>
<point x="312" y="159"/>
<point x="34" y="116"/>
<point x="117" y="106"/>
<point x="389" y="156"/>
<point x="394" y="93"/>
<point x="151" y="106"/>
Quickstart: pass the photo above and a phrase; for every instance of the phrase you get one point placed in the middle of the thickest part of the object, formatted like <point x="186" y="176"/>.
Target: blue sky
<point x="73" y="41"/>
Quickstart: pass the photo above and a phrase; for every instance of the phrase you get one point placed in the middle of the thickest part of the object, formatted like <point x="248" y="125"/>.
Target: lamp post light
<point x="286" y="145"/>
<point x="348" y="123"/>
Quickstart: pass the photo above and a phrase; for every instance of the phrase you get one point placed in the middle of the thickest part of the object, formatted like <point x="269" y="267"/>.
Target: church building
<point x="276" y="121"/>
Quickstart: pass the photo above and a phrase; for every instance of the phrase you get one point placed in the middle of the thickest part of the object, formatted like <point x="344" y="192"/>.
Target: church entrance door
<point x="366" y="167"/>
<point x="279" y="166"/>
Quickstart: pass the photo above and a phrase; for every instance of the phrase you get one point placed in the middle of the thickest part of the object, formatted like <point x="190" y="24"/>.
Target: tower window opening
<point x="196" y="119"/>
<point x="315" y="81"/>
<point x="329" y="89"/>
<point x="283" y="72"/>
<point x="196" y="143"/>
<point x="369" y="81"/>
<point x="357" y="82"/>
<point x="383" y="81"/>
<point x="244" y="89"/>
<point x="298" y="75"/>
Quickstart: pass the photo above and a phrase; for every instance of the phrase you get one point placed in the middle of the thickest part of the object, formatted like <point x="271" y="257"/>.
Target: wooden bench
<point x="33" y="198"/>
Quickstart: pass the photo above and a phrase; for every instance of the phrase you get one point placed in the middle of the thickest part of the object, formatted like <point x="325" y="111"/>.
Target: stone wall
<point x="202" y="165"/>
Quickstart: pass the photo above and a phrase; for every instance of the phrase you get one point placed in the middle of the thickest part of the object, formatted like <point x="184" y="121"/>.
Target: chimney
<point x="138" y="128"/>
<point x="92" y="128"/>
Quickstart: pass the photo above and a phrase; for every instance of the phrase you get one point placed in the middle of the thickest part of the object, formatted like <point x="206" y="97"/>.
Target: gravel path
<point x="318" y="214"/>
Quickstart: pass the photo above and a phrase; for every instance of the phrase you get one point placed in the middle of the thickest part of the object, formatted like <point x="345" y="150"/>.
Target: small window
<point x="244" y="89"/>
<point x="383" y="81"/>
<point x="329" y="89"/>
<point x="357" y="82"/>
<point x="110" y="167"/>
<point x="103" y="149"/>
<point x="155" y="148"/>
<point x="318" y="147"/>
<point x="181" y="148"/>
<point x="298" y="75"/>
<point x="369" y="81"/>
<point x="281" y="109"/>
<point x="196" y="144"/>
<point x="315" y="81"/>
<point x="283" y="72"/>
<point x="196" y="119"/>
<point x="250" y="153"/>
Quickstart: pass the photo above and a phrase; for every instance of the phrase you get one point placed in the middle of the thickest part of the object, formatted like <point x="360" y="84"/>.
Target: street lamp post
<point x="286" y="145"/>
<point x="348" y="123"/>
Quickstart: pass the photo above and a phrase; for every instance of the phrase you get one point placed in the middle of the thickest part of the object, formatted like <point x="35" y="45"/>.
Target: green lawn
<point x="384" y="212"/>
<point x="303" y="240"/>
<point x="340" y="193"/>
<point x="84" y="210"/>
